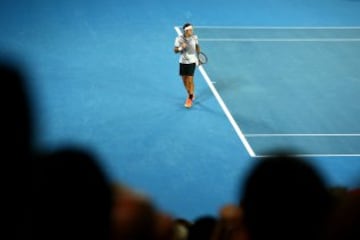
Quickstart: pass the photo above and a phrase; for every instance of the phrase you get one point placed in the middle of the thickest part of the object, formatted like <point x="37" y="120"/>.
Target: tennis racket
<point x="202" y="58"/>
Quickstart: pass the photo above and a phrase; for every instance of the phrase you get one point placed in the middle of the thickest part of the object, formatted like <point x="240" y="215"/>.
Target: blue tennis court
<point x="104" y="76"/>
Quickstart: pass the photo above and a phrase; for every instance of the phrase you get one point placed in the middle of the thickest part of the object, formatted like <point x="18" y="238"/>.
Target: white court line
<point x="304" y="135"/>
<point x="309" y="135"/>
<point x="282" y="27"/>
<point x="313" y="155"/>
<point x="280" y="39"/>
<point x="224" y="107"/>
<point x="227" y="113"/>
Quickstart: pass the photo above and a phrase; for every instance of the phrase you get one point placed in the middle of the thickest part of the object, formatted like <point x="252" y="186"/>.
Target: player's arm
<point x="178" y="49"/>
<point x="179" y="46"/>
<point x="197" y="47"/>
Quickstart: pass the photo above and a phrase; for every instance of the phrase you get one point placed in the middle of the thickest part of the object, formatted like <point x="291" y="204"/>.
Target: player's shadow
<point x="251" y="125"/>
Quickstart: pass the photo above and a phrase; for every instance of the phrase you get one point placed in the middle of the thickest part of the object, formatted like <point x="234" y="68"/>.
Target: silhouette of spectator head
<point x="203" y="228"/>
<point x="181" y="229"/>
<point x="16" y="119"/>
<point x="344" y="222"/>
<point x="72" y="197"/>
<point x="16" y="143"/>
<point x="284" y="198"/>
<point x="230" y="223"/>
<point x="134" y="216"/>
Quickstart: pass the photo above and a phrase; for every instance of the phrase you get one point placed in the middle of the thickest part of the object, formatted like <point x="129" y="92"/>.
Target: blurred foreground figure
<point x="285" y="198"/>
<point x="16" y="150"/>
<point x="230" y="224"/>
<point x="344" y="223"/>
<point x="72" y="199"/>
<point x="134" y="217"/>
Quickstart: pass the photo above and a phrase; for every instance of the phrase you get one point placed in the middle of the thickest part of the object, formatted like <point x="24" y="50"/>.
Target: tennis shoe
<point x="188" y="103"/>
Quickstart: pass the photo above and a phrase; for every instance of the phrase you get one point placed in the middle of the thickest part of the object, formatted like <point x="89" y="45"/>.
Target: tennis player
<point x="187" y="45"/>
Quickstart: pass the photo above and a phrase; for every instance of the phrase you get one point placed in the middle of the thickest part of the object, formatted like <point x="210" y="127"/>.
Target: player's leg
<point x="191" y="81"/>
<point x="191" y="87"/>
<point x="187" y="84"/>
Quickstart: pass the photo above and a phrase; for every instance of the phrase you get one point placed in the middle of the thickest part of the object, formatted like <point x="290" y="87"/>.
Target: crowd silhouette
<point x="64" y="194"/>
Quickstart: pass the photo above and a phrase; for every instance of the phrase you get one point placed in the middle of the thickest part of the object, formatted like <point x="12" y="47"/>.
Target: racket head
<point x="202" y="58"/>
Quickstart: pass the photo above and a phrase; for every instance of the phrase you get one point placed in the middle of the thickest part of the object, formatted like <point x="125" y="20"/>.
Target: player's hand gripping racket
<point x="202" y="58"/>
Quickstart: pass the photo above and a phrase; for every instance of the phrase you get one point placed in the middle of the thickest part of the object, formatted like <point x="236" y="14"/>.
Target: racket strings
<point x="202" y="58"/>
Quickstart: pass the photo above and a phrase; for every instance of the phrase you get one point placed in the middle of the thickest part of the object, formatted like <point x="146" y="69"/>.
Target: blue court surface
<point x="281" y="74"/>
